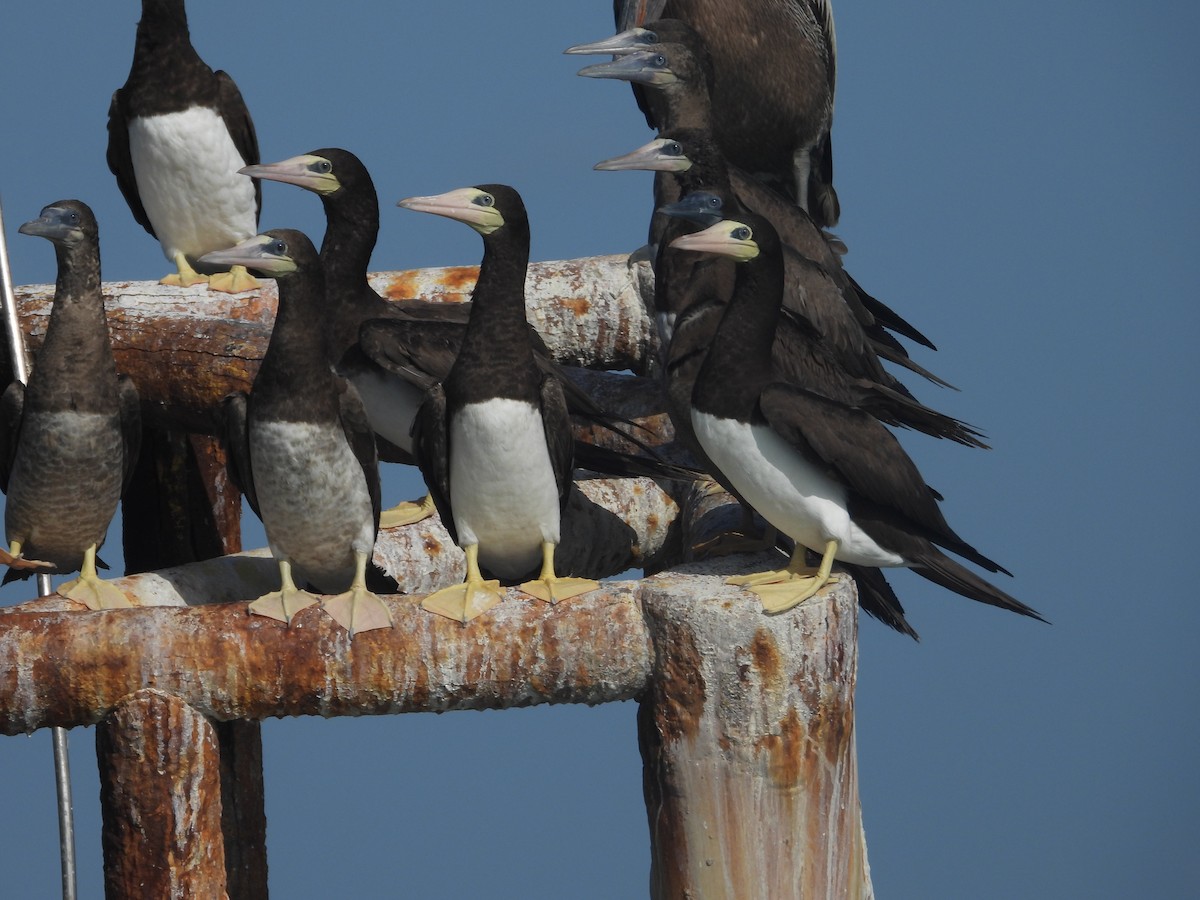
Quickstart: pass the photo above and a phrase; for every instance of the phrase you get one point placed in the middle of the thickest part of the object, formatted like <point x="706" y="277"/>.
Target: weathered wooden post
<point x="747" y="738"/>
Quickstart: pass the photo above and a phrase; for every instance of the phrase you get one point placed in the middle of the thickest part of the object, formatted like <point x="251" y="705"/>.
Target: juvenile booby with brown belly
<point x="301" y="448"/>
<point x="69" y="438"/>
<point x="178" y="133"/>
<point x="494" y="441"/>
<point x="775" y="68"/>
<point x="827" y="474"/>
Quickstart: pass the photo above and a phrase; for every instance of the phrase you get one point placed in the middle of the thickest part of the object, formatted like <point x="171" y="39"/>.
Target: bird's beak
<point x="627" y="41"/>
<point x="470" y="205"/>
<point x="262" y="253"/>
<point x="649" y="157"/>
<point x="727" y="238"/>
<point x="313" y="173"/>
<point x="694" y="208"/>
<point x="647" y="67"/>
<point x="53" y="225"/>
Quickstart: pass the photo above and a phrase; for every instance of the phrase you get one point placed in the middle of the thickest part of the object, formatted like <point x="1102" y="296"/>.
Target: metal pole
<point x="62" y="762"/>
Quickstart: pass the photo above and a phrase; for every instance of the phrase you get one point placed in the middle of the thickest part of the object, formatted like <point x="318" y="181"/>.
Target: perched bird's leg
<point x="782" y="596"/>
<point x="407" y="513"/>
<point x="285" y="602"/>
<point x="463" y="602"/>
<point x="186" y="276"/>
<point x="359" y="609"/>
<point x="236" y="280"/>
<point x="92" y="591"/>
<point x="549" y="587"/>
<point x="13" y="559"/>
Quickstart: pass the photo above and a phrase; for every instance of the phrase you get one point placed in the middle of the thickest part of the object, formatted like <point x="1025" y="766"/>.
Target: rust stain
<point x="787" y="763"/>
<point x="767" y="659"/>
<point x="453" y="283"/>
<point x="579" y="306"/>
<point x="680" y="690"/>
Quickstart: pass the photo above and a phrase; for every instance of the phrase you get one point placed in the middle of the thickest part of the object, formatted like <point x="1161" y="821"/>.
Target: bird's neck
<point x="163" y="25"/>
<point x="739" y="361"/>
<point x="498" y="306"/>
<point x="77" y="345"/>
<point x="298" y="357"/>
<point x="351" y="230"/>
<point x="498" y="333"/>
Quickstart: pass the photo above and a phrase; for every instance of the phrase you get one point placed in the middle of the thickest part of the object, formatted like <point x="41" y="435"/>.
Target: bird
<point x="301" y="448"/>
<point x="394" y="352"/>
<point x="177" y="134"/>
<point x="774" y="65"/>
<point x="69" y="438"/>
<point x="827" y="474"/>
<point x="494" y="440"/>
<point x="824" y="326"/>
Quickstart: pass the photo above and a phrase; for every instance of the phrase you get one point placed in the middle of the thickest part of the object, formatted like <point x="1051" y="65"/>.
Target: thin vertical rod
<point x="62" y="761"/>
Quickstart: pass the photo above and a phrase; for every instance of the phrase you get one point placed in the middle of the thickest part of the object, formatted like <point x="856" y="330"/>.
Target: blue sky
<point x="1017" y="179"/>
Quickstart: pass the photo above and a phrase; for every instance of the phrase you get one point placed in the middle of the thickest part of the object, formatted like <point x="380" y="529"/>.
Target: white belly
<point x="186" y="166"/>
<point x="391" y="404"/>
<point x="502" y="487"/>
<point x="313" y="498"/>
<point x="786" y="490"/>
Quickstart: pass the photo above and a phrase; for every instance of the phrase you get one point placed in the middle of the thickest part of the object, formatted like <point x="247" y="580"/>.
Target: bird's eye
<point x="279" y="247"/>
<point x="484" y="200"/>
<point x="323" y="166"/>
<point x="741" y="233"/>
<point x="673" y="148"/>
<point x="73" y="218"/>
<point x="714" y="202"/>
<point x="659" y="61"/>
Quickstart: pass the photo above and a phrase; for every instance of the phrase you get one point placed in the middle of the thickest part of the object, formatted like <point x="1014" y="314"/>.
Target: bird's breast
<point x="186" y="166"/>
<point x="502" y="487"/>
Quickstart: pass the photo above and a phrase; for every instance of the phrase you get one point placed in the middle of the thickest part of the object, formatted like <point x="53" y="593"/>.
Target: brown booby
<point x="69" y="438"/>
<point x="494" y="441"/>
<point x="774" y="66"/>
<point x="177" y="134"/>
<point x="827" y="474"/>
<point x="301" y="448"/>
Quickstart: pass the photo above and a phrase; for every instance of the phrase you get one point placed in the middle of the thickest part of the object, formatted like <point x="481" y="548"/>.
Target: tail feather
<point x="941" y="569"/>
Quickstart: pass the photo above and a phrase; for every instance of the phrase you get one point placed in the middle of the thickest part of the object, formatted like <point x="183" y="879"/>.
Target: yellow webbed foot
<point x="549" y="587"/>
<point x="781" y="597"/>
<point x="235" y="281"/>
<point x="774" y="576"/>
<point x="553" y="589"/>
<point x="284" y="603"/>
<point x="95" y="593"/>
<point x="358" y="610"/>
<point x="406" y="513"/>
<point x="800" y="583"/>
<point x="463" y="602"/>
<point x="90" y="589"/>
<point x="186" y="276"/>
<point x="14" y="559"/>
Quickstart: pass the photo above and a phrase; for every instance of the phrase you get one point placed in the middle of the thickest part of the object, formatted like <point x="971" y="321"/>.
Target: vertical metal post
<point x="62" y="762"/>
